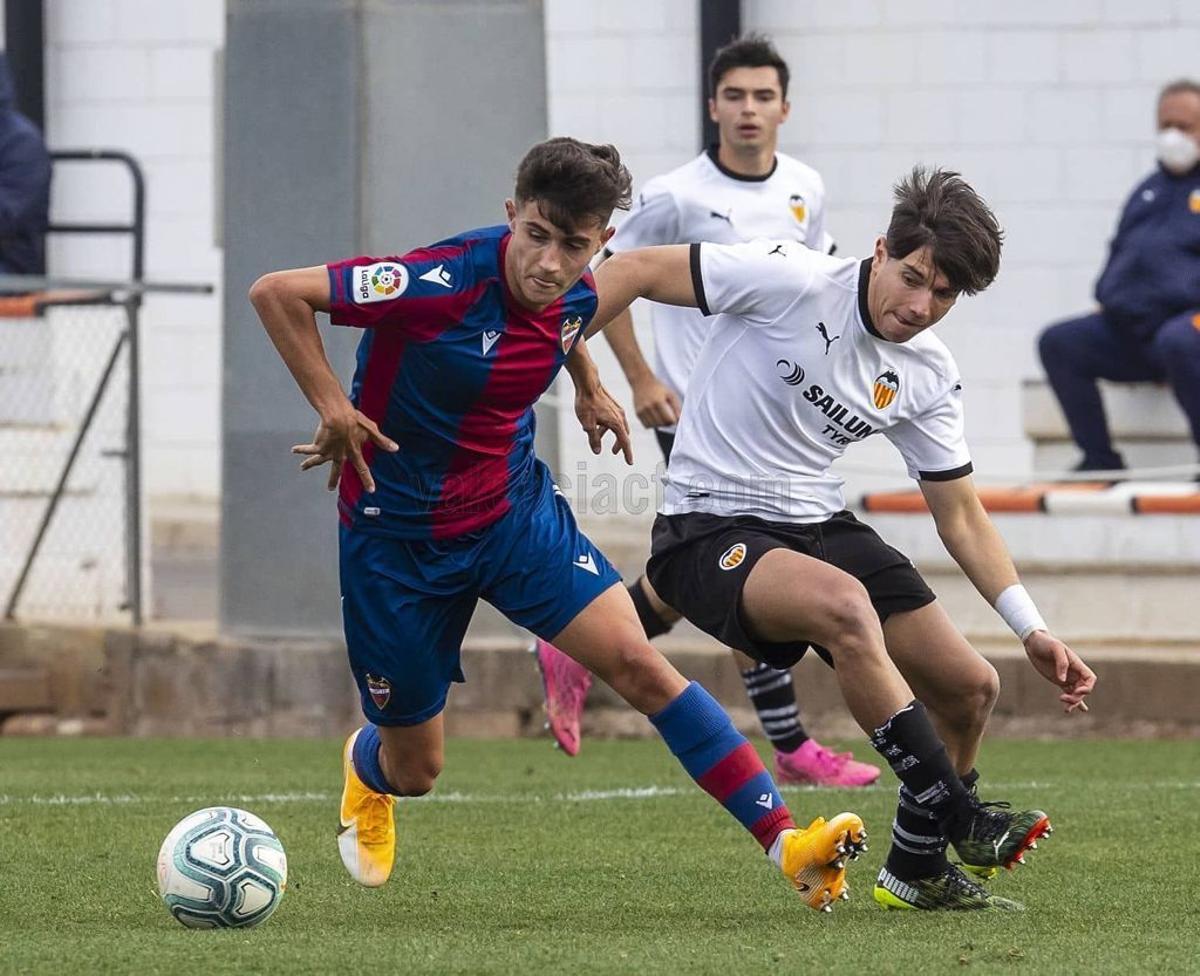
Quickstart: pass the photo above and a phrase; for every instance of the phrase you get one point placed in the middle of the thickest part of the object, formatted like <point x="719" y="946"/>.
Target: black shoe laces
<point x="958" y="883"/>
<point x="990" y="819"/>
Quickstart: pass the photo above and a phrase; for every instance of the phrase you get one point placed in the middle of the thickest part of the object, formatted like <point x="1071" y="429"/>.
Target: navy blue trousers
<point x="1078" y="352"/>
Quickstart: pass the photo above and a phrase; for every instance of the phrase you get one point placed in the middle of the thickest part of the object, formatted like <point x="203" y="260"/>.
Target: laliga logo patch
<point x="379" y="282"/>
<point x="887" y="385"/>
<point x="733" y="557"/>
<point x="570" y="329"/>
<point x="797" y="206"/>
<point x="380" y="690"/>
<point x="1194" y="201"/>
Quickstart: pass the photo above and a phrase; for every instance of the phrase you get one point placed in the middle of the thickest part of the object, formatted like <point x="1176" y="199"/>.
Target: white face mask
<point x="1177" y="151"/>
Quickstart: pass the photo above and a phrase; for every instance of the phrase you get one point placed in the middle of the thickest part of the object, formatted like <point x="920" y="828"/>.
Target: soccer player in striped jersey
<point x="753" y="543"/>
<point x="442" y="501"/>
<point x="738" y="190"/>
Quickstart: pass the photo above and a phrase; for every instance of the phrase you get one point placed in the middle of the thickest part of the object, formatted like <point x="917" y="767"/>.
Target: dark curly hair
<point x="940" y="209"/>
<point x="574" y="181"/>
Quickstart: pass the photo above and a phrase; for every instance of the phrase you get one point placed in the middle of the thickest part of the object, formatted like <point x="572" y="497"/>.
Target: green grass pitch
<point x="526" y="862"/>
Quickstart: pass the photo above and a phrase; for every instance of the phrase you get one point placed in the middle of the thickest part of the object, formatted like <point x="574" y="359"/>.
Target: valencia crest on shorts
<point x="733" y="557"/>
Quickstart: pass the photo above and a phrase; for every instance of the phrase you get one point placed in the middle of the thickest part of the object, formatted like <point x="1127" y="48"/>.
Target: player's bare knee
<point x="853" y="626"/>
<point x="967" y="702"/>
<point x="987" y="689"/>
<point x="641" y="675"/>
<point x="414" y="777"/>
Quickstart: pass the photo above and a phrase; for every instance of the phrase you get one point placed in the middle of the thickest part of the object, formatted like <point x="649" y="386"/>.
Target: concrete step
<point x="185" y="680"/>
<point x="1074" y="542"/>
<point x="1125" y="607"/>
<point x="1051" y="458"/>
<point x="24" y="690"/>
<point x="1136" y="411"/>
<point x="1094" y="578"/>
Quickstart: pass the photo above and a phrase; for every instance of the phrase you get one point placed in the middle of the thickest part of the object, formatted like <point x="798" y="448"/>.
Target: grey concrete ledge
<point x="189" y="682"/>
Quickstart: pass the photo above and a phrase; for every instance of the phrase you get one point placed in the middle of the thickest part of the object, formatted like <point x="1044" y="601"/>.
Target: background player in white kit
<point x="738" y="190"/>
<point x="753" y="544"/>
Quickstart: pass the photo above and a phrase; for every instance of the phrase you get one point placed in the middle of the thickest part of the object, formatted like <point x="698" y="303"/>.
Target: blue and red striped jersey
<point x="449" y="367"/>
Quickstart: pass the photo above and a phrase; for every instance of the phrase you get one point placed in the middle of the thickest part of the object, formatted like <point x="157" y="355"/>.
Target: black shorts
<point x="666" y="441"/>
<point x="699" y="564"/>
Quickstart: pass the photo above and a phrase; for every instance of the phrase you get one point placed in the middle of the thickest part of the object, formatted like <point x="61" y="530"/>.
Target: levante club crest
<point x="570" y="329"/>
<point x="887" y="385"/>
<point x="380" y="690"/>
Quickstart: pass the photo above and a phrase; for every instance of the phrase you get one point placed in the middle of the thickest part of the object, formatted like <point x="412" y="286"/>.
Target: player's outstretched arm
<point x="286" y="303"/>
<point x="655" y="403"/>
<point x="974" y="543"/>
<point x="662" y="274"/>
<point x="597" y="410"/>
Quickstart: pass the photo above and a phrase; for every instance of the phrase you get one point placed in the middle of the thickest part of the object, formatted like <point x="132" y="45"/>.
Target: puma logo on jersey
<point x="777" y="249"/>
<point x="825" y="335"/>
<point x="587" y="564"/>
<point x="727" y="217"/>
<point x="489" y="340"/>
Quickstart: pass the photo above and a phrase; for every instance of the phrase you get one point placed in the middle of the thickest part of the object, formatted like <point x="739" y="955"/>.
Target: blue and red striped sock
<point x="727" y="767"/>
<point x="365" y="756"/>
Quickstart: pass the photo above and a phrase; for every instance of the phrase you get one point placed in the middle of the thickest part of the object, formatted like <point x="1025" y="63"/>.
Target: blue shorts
<point x="406" y="603"/>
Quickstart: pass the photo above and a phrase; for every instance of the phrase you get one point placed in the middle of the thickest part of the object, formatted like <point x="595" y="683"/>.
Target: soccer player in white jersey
<point x="738" y="190"/>
<point x="806" y="355"/>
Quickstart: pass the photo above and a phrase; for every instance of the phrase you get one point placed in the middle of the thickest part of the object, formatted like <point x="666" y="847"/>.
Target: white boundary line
<point x="583" y="796"/>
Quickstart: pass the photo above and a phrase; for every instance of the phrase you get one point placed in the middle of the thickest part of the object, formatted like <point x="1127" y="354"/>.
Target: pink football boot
<point x="566" y="684"/>
<point x="813" y="764"/>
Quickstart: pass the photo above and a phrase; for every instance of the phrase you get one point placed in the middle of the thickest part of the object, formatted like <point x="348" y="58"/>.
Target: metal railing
<point x="127" y="295"/>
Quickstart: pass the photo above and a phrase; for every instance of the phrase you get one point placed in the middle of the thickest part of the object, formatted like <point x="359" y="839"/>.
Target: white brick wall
<point x="137" y="75"/>
<point x="624" y="73"/>
<point x="1045" y="106"/>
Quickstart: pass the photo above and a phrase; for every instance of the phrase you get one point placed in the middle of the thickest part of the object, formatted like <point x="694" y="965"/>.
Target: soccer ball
<point x="221" y="868"/>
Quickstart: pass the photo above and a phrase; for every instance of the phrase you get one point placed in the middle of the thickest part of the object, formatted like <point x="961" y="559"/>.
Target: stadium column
<point x="350" y="128"/>
<point x="720" y="22"/>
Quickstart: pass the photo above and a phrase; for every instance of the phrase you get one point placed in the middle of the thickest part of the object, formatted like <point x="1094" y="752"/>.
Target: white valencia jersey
<point x="792" y="373"/>
<point x="703" y="201"/>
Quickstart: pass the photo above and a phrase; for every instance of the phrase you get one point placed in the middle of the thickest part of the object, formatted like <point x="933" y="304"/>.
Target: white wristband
<point x="1019" y="611"/>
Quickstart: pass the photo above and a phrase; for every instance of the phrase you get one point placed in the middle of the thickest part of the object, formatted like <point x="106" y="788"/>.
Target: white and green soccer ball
<point x="221" y="868"/>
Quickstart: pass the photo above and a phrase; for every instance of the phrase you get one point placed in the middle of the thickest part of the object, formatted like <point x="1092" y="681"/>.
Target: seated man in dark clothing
<point x="1148" y="324"/>
<point x="24" y="187"/>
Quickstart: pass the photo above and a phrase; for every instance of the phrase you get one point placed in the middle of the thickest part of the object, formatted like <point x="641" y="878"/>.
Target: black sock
<point x="917" y="756"/>
<point x="773" y="697"/>
<point x="652" y="623"/>
<point x="918" y="842"/>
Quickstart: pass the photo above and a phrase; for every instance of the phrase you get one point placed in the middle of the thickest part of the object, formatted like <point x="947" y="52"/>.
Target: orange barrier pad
<point x="1167" y="504"/>
<point x="30" y="306"/>
<point x="1018" y="499"/>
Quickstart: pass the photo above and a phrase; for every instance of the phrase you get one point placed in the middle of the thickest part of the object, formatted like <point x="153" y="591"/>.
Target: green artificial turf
<point x="524" y="861"/>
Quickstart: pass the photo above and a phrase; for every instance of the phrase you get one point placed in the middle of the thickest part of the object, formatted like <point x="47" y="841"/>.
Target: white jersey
<point x="703" y="201"/>
<point x="793" y="372"/>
